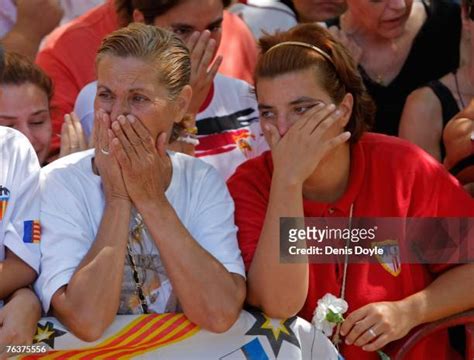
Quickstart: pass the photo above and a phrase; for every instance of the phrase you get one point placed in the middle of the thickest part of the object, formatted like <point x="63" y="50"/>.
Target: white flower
<point x="328" y="313"/>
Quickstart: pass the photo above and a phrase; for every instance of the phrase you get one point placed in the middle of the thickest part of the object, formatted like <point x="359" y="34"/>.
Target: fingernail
<point x="115" y="125"/>
<point x="348" y="342"/>
<point x="121" y="118"/>
<point x="131" y="119"/>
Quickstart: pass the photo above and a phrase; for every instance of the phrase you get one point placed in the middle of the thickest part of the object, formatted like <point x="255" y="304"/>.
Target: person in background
<point x="458" y="138"/>
<point x="71" y="66"/>
<point x="395" y="43"/>
<point x="19" y="237"/>
<point x="25" y="24"/>
<point x="25" y="97"/>
<point x="315" y="110"/>
<point x="268" y="16"/>
<point x="223" y="110"/>
<point x="429" y="108"/>
<point x="130" y="228"/>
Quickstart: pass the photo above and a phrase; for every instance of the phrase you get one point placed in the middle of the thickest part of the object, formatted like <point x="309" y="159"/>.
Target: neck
<point x="329" y="181"/>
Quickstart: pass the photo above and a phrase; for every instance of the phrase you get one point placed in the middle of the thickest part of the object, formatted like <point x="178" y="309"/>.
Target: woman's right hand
<point x="107" y="166"/>
<point x="297" y="153"/>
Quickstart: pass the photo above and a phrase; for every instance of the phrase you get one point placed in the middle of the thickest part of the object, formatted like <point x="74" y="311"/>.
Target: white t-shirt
<point x="265" y="16"/>
<point x="19" y="198"/>
<point x="228" y="127"/>
<point x="72" y="204"/>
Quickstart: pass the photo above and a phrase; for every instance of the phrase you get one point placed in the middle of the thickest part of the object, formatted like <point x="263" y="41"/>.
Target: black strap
<point x="449" y="106"/>
<point x="218" y="124"/>
<point x="462" y="164"/>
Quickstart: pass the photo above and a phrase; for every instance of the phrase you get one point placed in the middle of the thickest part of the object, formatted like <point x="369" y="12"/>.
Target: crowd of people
<point x="149" y="149"/>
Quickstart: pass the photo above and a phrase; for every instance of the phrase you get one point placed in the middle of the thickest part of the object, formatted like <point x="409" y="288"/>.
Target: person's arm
<point x="422" y="121"/>
<point x="14" y="274"/>
<point x="89" y="302"/>
<point x="449" y="294"/>
<point x="210" y="295"/>
<point x="280" y="290"/>
<point x="35" y="20"/>
<point x="19" y="318"/>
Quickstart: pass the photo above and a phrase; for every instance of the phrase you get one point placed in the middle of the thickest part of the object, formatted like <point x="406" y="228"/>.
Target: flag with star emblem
<point x="172" y="336"/>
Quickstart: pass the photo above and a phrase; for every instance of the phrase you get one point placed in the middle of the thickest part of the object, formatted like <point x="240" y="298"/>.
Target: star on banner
<point x="46" y="334"/>
<point x="276" y="331"/>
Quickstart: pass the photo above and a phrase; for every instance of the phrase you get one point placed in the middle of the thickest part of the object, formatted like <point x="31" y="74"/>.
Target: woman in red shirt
<point x="314" y="111"/>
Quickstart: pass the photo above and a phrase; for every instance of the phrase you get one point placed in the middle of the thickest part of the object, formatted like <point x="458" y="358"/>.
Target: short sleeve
<point x="21" y="199"/>
<point x="437" y="194"/>
<point x="250" y="193"/>
<point x="213" y="224"/>
<point x="67" y="236"/>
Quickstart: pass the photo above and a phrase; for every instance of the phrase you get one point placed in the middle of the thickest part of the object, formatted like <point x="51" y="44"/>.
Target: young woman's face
<point x="130" y="86"/>
<point x="26" y="108"/>
<point x="386" y="18"/>
<point x="194" y="15"/>
<point x="284" y="99"/>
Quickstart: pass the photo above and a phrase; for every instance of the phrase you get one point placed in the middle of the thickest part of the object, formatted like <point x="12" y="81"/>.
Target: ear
<point x="182" y="102"/>
<point x="138" y="16"/>
<point x="346" y="109"/>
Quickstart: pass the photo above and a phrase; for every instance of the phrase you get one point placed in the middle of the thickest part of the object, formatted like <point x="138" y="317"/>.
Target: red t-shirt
<point x="389" y="177"/>
<point x="68" y="56"/>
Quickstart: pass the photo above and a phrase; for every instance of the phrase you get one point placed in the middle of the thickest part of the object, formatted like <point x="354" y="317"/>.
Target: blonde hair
<point x="159" y="47"/>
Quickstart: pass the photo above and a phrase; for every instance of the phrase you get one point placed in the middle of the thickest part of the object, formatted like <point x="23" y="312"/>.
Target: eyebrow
<point x="190" y="27"/>
<point x="11" y="117"/>
<point x="300" y="100"/>
<point x="8" y="117"/>
<point x="38" y="112"/>
<point x="103" y="87"/>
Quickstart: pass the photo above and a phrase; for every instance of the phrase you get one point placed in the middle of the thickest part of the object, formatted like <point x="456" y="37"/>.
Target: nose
<point x="118" y="107"/>
<point x="283" y="124"/>
<point x="397" y="4"/>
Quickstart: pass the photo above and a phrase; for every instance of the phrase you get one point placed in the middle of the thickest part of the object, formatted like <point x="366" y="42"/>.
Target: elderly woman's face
<point x="25" y="108"/>
<point x="130" y="86"/>
<point x="386" y="18"/>
<point x="284" y="99"/>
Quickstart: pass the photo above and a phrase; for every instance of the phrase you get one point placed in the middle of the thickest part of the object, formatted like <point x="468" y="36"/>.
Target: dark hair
<point x="150" y="9"/>
<point x="19" y="70"/>
<point x="160" y="47"/>
<point x="338" y="77"/>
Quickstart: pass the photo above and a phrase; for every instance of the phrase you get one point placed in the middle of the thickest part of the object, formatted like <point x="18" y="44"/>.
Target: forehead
<point x="126" y="73"/>
<point x="22" y="96"/>
<point x="286" y="88"/>
<point x="194" y="13"/>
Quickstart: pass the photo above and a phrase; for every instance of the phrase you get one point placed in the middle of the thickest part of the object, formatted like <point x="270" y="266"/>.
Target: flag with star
<point x="254" y="336"/>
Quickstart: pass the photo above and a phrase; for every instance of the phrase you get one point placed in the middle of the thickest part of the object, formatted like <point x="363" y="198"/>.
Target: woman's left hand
<point x="375" y="325"/>
<point x="145" y="166"/>
<point x="19" y="318"/>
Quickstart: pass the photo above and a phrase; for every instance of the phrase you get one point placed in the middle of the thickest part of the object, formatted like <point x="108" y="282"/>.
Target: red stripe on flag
<point x="133" y="343"/>
<point x="153" y="343"/>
